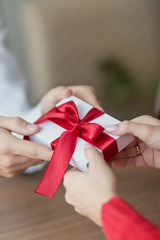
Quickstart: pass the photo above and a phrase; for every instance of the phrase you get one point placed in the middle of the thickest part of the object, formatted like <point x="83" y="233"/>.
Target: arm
<point x="94" y="195"/>
<point x="13" y="99"/>
<point x="120" y="221"/>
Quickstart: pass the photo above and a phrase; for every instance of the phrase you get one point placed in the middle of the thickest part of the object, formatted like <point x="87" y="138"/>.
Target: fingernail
<point x="31" y="127"/>
<point x="111" y="128"/>
<point x="87" y="146"/>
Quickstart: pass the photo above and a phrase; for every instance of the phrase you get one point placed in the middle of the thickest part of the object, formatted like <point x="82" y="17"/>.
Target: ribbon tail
<point x="58" y="163"/>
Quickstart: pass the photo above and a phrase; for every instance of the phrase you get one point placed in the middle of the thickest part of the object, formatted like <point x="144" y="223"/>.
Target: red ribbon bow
<point x="66" y="115"/>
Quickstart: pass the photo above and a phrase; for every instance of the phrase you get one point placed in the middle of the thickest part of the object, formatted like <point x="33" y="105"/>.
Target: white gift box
<point x="50" y="131"/>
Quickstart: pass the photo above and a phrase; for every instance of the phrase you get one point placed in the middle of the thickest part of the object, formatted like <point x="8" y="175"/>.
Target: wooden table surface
<point x="25" y="215"/>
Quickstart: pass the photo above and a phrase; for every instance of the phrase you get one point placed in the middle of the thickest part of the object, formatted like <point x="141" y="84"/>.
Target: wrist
<point x="101" y="201"/>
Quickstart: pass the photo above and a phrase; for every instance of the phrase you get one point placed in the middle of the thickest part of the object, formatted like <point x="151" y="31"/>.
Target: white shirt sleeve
<point x="13" y="98"/>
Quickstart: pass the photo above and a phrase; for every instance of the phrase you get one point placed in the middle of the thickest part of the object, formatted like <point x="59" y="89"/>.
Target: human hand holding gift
<point x="16" y="154"/>
<point x="86" y="93"/>
<point x="87" y="192"/>
<point x="66" y="128"/>
<point x="145" y="149"/>
<point x="94" y="194"/>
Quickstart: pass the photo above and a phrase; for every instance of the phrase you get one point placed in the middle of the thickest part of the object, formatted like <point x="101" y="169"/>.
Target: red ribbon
<point x="66" y="115"/>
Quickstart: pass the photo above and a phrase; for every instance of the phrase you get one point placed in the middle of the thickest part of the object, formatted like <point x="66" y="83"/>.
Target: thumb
<point x="70" y="176"/>
<point x="145" y="132"/>
<point x="67" y="93"/>
<point x="95" y="158"/>
<point x="18" y="125"/>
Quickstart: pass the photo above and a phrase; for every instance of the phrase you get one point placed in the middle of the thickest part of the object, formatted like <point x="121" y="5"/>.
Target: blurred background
<point x="112" y="45"/>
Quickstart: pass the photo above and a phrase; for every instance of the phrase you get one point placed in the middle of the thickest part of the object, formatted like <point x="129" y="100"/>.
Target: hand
<point x="146" y="130"/>
<point x="85" y="93"/>
<point x="87" y="192"/>
<point x="16" y="155"/>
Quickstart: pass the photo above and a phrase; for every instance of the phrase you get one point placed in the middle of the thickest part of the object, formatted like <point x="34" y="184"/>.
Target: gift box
<point x="66" y="129"/>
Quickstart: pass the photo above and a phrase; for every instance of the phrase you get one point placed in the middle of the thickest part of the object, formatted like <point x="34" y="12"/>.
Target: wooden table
<point x="28" y="216"/>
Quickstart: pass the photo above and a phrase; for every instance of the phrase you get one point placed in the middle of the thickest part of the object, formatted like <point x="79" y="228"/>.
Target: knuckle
<point x="34" y="153"/>
<point x="146" y="116"/>
<point x="8" y="163"/>
<point x="17" y="121"/>
<point x="66" y="181"/>
<point x="148" y="131"/>
<point x="67" y="198"/>
<point x="92" y="89"/>
<point x="78" y="210"/>
<point x="4" y="148"/>
<point x="144" y="119"/>
<point x="10" y="174"/>
<point x="89" y="89"/>
<point x="126" y="125"/>
<point x="61" y="88"/>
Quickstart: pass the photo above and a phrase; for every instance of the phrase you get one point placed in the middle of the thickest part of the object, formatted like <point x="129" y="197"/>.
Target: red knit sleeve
<point x="120" y="221"/>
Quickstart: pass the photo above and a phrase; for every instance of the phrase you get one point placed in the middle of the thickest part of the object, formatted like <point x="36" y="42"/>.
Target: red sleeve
<point x="120" y="221"/>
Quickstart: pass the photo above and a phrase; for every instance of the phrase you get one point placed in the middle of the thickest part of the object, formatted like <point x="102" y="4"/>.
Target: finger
<point x="70" y="177"/>
<point x="87" y="94"/>
<point x="17" y="168"/>
<point x="129" y="162"/>
<point x="80" y="211"/>
<point x="12" y="172"/>
<point x="9" y="161"/>
<point x="142" y="131"/>
<point x="26" y="160"/>
<point x="27" y="165"/>
<point x="76" y="209"/>
<point x="18" y="125"/>
<point x="67" y="93"/>
<point x="92" y="100"/>
<point x="30" y="149"/>
<point x="73" y="169"/>
<point x="127" y="153"/>
<point x="94" y="157"/>
<point x="54" y="96"/>
<point x="146" y="119"/>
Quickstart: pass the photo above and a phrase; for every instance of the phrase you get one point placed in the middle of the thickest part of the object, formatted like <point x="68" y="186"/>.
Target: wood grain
<point x="28" y="216"/>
